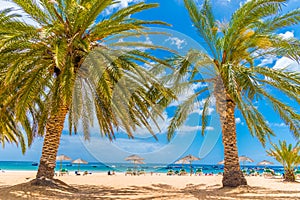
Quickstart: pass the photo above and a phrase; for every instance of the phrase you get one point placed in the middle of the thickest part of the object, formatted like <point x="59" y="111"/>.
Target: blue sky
<point x="188" y="139"/>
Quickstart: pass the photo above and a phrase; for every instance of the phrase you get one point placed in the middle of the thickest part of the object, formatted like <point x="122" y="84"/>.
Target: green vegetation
<point x="232" y="74"/>
<point x="61" y="66"/>
<point x="288" y="156"/>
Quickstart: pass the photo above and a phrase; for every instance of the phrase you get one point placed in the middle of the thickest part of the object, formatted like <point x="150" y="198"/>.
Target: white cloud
<point x="268" y="60"/>
<point x="177" y="42"/>
<point x="276" y="124"/>
<point x="147" y="41"/>
<point x="237" y="120"/>
<point x="121" y="4"/>
<point x="287" y="64"/>
<point x="242" y="3"/>
<point x="186" y="128"/>
<point x="287" y="34"/>
<point x="199" y="111"/>
<point x="16" y="9"/>
<point x="187" y="93"/>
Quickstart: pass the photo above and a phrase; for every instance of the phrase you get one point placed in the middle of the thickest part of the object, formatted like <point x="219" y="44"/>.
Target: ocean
<point x="122" y="167"/>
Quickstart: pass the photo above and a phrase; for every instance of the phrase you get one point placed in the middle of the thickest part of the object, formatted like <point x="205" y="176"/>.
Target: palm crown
<point x="233" y="51"/>
<point x="43" y="64"/>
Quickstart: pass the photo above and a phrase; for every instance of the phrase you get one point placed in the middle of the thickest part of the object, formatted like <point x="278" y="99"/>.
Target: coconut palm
<point x="288" y="156"/>
<point x="231" y="72"/>
<point x="61" y="64"/>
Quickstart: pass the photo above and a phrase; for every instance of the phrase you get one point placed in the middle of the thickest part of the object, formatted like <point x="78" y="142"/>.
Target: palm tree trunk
<point x="233" y="175"/>
<point x="54" y="128"/>
<point x="289" y="175"/>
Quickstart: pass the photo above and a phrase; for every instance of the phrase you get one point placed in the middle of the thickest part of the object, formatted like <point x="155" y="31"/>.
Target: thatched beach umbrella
<point x="135" y="159"/>
<point x="245" y="159"/>
<point x="79" y="161"/>
<point x="187" y="159"/>
<point x="61" y="158"/>
<point x="221" y="162"/>
<point x="181" y="161"/>
<point x="241" y="159"/>
<point x="138" y="162"/>
<point x="265" y="163"/>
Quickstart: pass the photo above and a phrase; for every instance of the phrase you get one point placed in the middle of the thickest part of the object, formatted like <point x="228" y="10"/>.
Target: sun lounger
<point x="63" y="172"/>
<point x="268" y="173"/>
<point x="182" y="172"/>
<point x="141" y="172"/>
<point x="129" y="172"/>
<point x="170" y="172"/>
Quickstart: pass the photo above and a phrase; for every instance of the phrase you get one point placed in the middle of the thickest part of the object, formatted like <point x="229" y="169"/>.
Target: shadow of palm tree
<point x="155" y="191"/>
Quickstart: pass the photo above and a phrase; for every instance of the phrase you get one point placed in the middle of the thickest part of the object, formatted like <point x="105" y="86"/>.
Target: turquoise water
<point x="122" y="167"/>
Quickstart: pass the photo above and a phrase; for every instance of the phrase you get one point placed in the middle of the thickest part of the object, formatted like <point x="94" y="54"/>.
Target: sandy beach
<point x="14" y="185"/>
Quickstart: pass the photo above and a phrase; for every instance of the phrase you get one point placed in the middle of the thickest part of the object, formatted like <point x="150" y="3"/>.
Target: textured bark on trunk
<point x="289" y="175"/>
<point x="233" y="175"/>
<point x="54" y="128"/>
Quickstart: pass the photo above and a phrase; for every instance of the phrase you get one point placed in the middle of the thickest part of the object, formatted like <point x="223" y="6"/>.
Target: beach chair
<point x="253" y="172"/>
<point x="182" y="172"/>
<point x="170" y="172"/>
<point x="141" y="172"/>
<point x="199" y="172"/>
<point x="129" y="172"/>
<point x="268" y="173"/>
<point x="63" y="172"/>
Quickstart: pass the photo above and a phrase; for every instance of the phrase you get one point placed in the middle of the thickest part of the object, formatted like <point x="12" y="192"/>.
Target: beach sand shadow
<point x="242" y="193"/>
<point x="155" y="191"/>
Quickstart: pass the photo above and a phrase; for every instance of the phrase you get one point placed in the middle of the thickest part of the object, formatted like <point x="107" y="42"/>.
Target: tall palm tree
<point x="230" y="69"/>
<point x="288" y="156"/>
<point x="61" y="64"/>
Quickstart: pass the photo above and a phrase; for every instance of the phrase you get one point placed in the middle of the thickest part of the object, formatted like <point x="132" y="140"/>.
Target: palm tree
<point x="9" y="131"/>
<point x="288" y="156"/>
<point x="62" y="64"/>
<point x="231" y="71"/>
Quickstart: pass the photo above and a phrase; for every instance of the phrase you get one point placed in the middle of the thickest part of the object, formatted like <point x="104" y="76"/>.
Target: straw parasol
<point x="181" y="161"/>
<point x="221" y="162"/>
<point x="187" y="160"/>
<point x="138" y="162"/>
<point x="135" y="159"/>
<point x="241" y="159"/>
<point x="79" y="161"/>
<point x="245" y="159"/>
<point x="61" y="158"/>
<point x="265" y="163"/>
